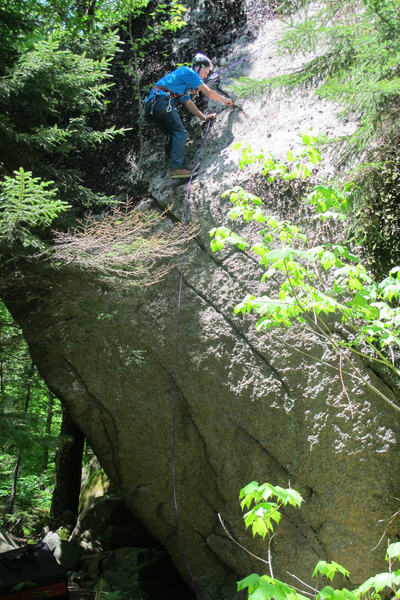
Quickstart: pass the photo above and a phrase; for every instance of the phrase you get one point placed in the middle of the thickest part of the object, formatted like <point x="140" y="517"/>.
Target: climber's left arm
<point x="213" y="95"/>
<point x="192" y="108"/>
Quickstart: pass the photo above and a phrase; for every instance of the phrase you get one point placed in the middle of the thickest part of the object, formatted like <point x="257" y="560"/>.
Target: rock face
<point x="248" y="406"/>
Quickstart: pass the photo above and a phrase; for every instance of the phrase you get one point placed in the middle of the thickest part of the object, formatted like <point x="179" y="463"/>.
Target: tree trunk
<point x="49" y="420"/>
<point x="13" y="491"/>
<point x="65" y="500"/>
<point x="86" y="8"/>
<point x="2" y="386"/>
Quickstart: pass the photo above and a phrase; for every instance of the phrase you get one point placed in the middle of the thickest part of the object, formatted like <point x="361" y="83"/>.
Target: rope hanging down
<point x="181" y="539"/>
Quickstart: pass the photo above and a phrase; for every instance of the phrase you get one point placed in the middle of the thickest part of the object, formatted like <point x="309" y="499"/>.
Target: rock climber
<point x="161" y="108"/>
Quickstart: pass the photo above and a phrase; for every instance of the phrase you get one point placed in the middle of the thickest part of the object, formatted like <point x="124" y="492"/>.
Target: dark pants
<point x="166" y="117"/>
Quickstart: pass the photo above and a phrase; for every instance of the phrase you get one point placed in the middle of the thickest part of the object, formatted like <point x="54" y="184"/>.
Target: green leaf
<point x="251" y="582"/>
<point x="248" y="489"/>
<point x="329" y="569"/>
<point x="24" y="585"/>
<point x="267" y="588"/>
<point x="354" y="283"/>
<point x="378" y="583"/>
<point x="328" y="259"/>
<point x="329" y="593"/>
<point x="27" y="204"/>
<point x="283" y="495"/>
<point x="393" y="551"/>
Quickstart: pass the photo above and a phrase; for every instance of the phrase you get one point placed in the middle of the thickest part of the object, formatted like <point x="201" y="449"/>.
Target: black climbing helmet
<point x="201" y="60"/>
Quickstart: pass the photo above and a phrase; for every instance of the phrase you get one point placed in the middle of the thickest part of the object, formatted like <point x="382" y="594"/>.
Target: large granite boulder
<point x="269" y="407"/>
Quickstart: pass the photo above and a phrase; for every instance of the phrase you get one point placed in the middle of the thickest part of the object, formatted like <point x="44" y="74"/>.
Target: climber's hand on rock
<point x="229" y="102"/>
<point x="210" y="117"/>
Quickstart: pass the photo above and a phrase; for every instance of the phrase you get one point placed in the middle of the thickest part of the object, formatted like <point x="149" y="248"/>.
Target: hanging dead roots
<point x="127" y="243"/>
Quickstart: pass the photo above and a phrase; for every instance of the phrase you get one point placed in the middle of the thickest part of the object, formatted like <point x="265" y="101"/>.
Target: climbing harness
<point x="148" y="104"/>
<point x="173" y="95"/>
<point x="151" y="101"/>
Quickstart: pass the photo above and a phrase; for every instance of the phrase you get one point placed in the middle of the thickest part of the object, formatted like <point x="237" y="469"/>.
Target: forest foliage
<point x="30" y="419"/>
<point x="55" y="77"/>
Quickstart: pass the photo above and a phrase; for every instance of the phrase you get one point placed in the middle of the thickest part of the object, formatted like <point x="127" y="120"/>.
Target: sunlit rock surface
<point x="270" y="407"/>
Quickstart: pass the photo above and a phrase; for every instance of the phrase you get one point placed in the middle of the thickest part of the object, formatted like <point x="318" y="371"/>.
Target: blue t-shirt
<point x="180" y="81"/>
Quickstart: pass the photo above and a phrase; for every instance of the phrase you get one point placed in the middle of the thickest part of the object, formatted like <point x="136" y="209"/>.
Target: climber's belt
<point x="173" y="95"/>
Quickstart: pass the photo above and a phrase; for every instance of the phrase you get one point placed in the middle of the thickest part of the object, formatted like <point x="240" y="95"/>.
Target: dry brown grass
<point x="133" y="244"/>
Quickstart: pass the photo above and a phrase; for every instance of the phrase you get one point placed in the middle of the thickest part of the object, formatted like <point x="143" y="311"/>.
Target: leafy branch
<point x="26" y="203"/>
<point x="264" y="516"/>
<point x="314" y="282"/>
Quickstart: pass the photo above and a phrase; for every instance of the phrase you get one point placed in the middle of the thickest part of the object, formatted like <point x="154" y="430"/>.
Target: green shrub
<point x="263" y="504"/>
<point x="313" y="281"/>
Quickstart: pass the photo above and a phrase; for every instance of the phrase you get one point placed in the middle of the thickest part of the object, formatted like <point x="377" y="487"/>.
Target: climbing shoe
<point x="180" y="174"/>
